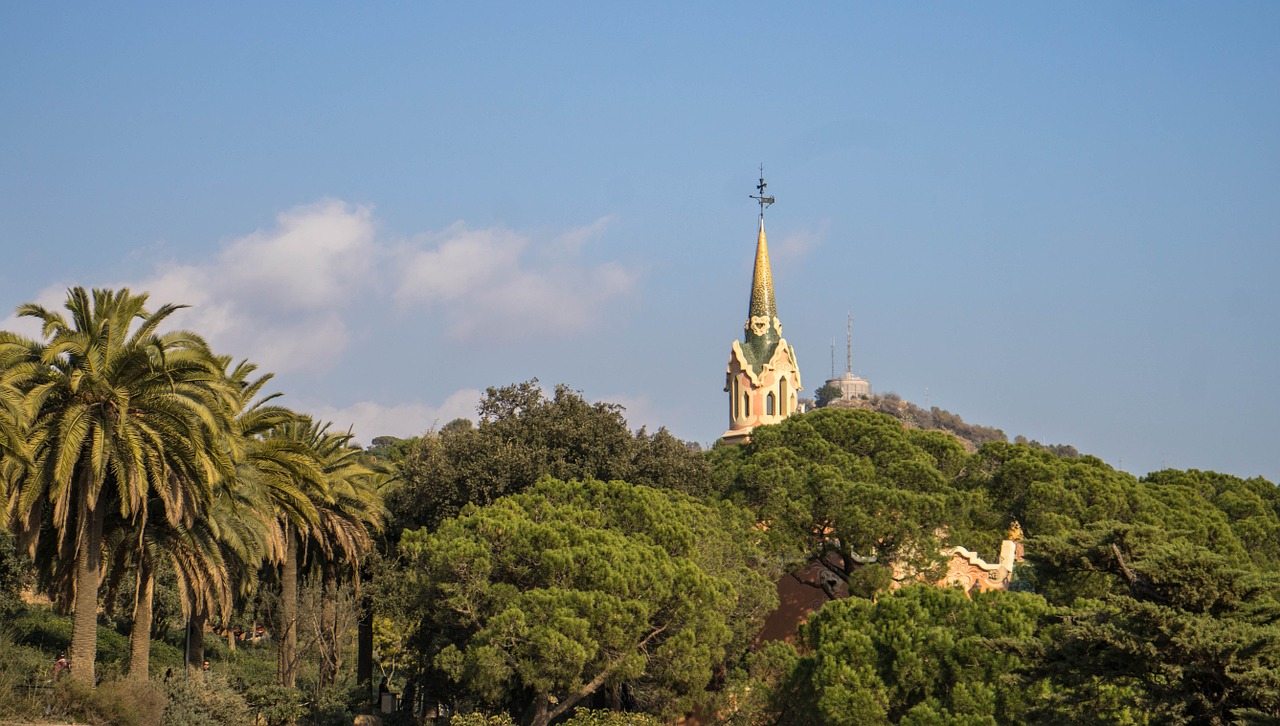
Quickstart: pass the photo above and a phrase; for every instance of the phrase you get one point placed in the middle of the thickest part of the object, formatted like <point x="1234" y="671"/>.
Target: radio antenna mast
<point x="849" y="344"/>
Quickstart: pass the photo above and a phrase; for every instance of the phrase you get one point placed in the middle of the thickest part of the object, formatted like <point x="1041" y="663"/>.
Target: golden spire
<point x="762" y="303"/>
<point x="763" y="332"/>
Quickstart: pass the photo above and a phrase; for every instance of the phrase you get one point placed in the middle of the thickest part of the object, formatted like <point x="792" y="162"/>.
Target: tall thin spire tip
<point x="761" y="198"/>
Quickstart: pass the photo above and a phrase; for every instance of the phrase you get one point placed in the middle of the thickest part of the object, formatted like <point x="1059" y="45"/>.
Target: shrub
<point x="23" y="672"/>
<point x="204" y="700"/>
<point x="481" y="719"/>
<point x="112" y="703"/>
<point x="42" y="628"/>
<point x="16" y="573"/>
<point x="589" y="717"/>
<point x="276" y="705"/>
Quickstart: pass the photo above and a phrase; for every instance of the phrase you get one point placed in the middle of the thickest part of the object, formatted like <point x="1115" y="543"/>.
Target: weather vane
<point x="761" y="198"/>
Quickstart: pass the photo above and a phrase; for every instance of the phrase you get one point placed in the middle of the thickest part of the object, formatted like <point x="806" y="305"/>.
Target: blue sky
<point x="1059" y="220"/>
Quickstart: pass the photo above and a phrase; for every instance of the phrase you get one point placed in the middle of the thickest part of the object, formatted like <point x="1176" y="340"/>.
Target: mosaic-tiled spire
<point x="762" y="303"/>
<point x="763" y="330"/>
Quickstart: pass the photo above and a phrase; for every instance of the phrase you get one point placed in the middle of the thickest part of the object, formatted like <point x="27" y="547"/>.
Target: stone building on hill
<point x="762" y="379"/>
<point x="851" y="386"/>
<point x="804" y="591"/>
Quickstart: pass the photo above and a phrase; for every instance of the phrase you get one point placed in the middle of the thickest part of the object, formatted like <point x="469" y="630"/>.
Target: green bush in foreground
<point x="205" y="700"/>
<point x="581" y="717"/>
<point x="112" y="703"/>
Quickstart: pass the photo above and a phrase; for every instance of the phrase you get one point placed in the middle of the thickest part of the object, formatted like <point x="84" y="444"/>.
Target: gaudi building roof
<point x="763" y="330"/>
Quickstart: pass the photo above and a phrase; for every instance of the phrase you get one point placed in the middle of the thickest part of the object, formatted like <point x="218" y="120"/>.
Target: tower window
<point x="770" y="404"/>
<point x="746" y="404"/>
<point x="783" y="398"/>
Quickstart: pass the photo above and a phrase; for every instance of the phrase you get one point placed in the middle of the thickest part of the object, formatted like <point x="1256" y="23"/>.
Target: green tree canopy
<point x="919" y="655"/>
<point x="851" y="488"/>
<point x="544" y="598"/>
<point x="828" y="393"/>
<point x="1190" y="633"/>
<point x="522" y="436"/>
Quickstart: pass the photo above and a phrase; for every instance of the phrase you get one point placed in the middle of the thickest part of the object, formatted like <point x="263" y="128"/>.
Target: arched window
<point x="735" y="411"/>
<point x="746" y="404"/>
<point x="770" y="404"/>
<point x="783" y="397"/>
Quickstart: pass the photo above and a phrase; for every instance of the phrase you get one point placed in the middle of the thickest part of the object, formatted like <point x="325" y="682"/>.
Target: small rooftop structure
<point x="850" y="386"/>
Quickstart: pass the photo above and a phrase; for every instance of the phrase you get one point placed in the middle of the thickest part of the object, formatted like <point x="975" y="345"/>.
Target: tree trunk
<point x="140" y="636"/>
<point x="231" y="639"/>
<point x="364" y="644"/>
<point x="329" y="656"/>
<point x="84" y="624"/>
<point x="195" y="638"/>
<point x="540" y="715"/>
<point x="286" y="669"/>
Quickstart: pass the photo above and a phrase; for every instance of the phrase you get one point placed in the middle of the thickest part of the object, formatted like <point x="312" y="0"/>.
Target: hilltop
<point x="972" y="436"/>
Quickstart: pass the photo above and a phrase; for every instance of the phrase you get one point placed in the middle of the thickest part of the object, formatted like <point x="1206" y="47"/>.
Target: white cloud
<point x="51" y="297"/>
<point x="277" y="296"/>
<point x="288" y="297"/>
<point x="309" y="261"/>
<point x="572" y="242"/>
<point x="798" y="244"/>
<point x="463" y="261"/>
<point x="494" y="283"/>
<point x="368" y="419"/>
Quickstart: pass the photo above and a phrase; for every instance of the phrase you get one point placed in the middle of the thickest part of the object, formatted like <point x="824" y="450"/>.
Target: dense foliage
<point x="522" y="436"/>
<point x="136" y="459"/>
<point x="1156" y="598"/>
<point x="546" y="597"/>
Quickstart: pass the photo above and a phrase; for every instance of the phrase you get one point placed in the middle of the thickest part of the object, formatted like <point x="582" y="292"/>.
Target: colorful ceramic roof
<point x="762" y="331"/>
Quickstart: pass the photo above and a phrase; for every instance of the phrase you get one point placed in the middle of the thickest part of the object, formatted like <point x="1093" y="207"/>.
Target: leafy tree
<point x="918" y="655"/>
<point x="545" y="598"/>
<point x="828" y="393"/>
<point x="1191" y="633"/>
<point x="523" y="435"/>
<point x="849" y="488"/>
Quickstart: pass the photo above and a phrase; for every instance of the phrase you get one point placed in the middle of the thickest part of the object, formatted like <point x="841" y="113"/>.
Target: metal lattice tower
<point x="849" y="345"/>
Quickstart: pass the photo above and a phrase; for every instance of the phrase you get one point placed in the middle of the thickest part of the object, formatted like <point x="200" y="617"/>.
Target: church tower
<point x="762" y="380"/>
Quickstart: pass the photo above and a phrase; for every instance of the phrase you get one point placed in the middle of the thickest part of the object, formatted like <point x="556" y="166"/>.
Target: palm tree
<point x="14" y="456"/>
<point x="17" y="365"/>
<point x="215" y="550"/>
<point x="338" y="502"/>
<point x="120" y="418"/>
<point x="279" y="475"/>
<point x="343" y="539"/>
<point x="194" y="552"/>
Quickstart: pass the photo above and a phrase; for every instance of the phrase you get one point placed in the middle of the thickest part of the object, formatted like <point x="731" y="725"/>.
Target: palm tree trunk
<point x="140" y="636"/>
<point x="195" y="637"/>
<point x="287" y="662"/>
<point x="329" y="660"/>
<point x="84" y="625"/>
<point x="364" y="643"/>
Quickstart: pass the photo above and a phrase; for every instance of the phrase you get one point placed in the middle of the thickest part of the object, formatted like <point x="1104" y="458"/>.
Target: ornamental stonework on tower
<point x="762" y="379"/>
